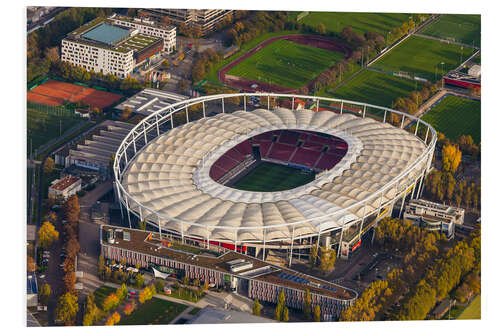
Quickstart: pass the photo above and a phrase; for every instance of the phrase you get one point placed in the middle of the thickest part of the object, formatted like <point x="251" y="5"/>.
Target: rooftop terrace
<point x="107" y="34"/>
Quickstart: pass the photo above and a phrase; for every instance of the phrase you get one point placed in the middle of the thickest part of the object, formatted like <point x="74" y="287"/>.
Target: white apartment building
<point x="99" y="59"/>
<point x="149" y="28"/>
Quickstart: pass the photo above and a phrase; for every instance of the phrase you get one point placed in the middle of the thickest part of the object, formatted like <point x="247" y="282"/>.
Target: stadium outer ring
<point x="149" y="129"/>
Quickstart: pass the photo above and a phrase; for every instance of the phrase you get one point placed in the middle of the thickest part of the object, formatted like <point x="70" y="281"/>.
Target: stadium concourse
<point x="372" y="164"/>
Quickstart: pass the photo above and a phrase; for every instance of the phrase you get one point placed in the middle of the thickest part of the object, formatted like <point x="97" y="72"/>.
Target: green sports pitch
<point x="422" y="57"/>
<point x="287" y="64"/>
<point x="456" y="27"/>
<point x="360" y="22"/>
<point x="270" y="177"/>
<point x="473" y="311"/>
<point x="455" y="116"/>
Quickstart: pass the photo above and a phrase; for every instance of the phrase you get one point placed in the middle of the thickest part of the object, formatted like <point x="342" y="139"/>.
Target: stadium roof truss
<point x="162" y="171"/>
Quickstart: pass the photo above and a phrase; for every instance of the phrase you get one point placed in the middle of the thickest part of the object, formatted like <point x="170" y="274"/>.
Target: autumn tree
<point x="91" y="312"/>
<point x="47" y="235"/>
<point x="30" y="264"/>
<point x="110" y="302"/>
<point x="317" y="313"/>
<point x="451" y="158"/>
<point x="72" y="209"/>
<point x="306" y="306"/>
<point x="69" y="280"/>
<point x="327" y="259"/>
<point x="256" y="307"/>
<point x="67" y="308"/>
<point x="44" y="294"/>
<point x="142" y="224"/>
<point x="48" y="166"/>
<point x="126" y="113"/>
<point x="312" y="256"/>
<point x="129" y="308"/>
<point x="122" y="292"/>
<point x="160" y="285"/>
<point x="285" y="315"/>
<point x="116" y="317"/>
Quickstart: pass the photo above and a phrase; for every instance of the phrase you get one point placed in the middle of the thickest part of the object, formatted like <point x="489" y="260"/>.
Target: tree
<point x="47" y="235"/>
<point x="48" y="165"/>
<point x="30" y="264"/>
<point x="256" y="307"/>
<point x="185" y="280"/>
<point x="72" y="209"/>
<point x="313" y="255"/>
<point x="321" y="29"/>
<point x="116" y="317"/>
<point x="126" y="113"/>
<point x="110" y="302"/>
<point x="451" y="158"/>
<point x="96" y="111"/>
<point x="122" y="292"/>
<point x="91" y="312"/>
<point x="306" y="306"/>
<point x="110" y="321"/>
<point x="285" y="314"/>
<point x="317" y="313"/>
<point x="142" y="225"/>
<point x="327" y="259"/>
<point x="129" y="308"/>
<point x="69" y="280"/>
<point x="280" y="307"/>
<point x="160" y="285"/>
<point x="67" y="308"/>
<point x="139" y="280"/>
<point x="44" y="294"/>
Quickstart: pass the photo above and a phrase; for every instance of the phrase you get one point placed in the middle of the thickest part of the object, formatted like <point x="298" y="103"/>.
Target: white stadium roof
<point x="170" y="176"/>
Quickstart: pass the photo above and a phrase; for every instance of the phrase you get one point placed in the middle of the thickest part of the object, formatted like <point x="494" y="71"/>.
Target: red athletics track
<point x="246" y="84"/>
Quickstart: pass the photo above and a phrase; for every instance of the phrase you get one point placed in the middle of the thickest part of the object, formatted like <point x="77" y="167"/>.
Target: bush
<point x="160" y="285"/>
<point x="129" y="308"/>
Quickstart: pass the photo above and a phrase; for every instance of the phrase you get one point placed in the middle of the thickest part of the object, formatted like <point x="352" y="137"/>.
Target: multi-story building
<point x="245" y="275"/>
<point x="434" y="216"/>
<point x="65" y="187"/>
<point x="149" y="28"/>
<point x="103" y="46"/>
<point x="205" y="19"/>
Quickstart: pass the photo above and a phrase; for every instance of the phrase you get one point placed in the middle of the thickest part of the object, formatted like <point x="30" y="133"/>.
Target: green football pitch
<point x="455" y="116"/>
<point x="422" y="57"/>
<point x="286" y="64"/>
<point x="376" y="88"/>
<point x="460" y="28"/>
<point x="473" y="311"/>
<point x="360" y="22"/>
<point x="270" y="177"/>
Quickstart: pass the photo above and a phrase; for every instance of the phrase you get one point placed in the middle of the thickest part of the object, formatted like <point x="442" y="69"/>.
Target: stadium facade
<point x="163" y="173"/>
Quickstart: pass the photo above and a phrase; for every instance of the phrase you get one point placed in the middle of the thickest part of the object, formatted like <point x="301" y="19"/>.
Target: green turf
<point x="286" y="63"/>
<point x="43" y="124"/>
<point x="360" y="22"/>
<point x="473" y="311"/>
<point x="270" y="177"/>
<point x="101" y="293"/>
<point x="155" y="311"/>
<point x="422" y="57"/>
<point x="376" y="88"/>
<point x="456" y="27"/>
<point x="455" y="116"/>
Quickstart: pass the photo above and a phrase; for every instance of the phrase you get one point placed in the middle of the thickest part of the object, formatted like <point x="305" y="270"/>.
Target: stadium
<point x="267" y="179"/>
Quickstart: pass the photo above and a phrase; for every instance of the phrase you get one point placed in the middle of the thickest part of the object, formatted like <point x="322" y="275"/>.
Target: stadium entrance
<point x="278" y="160"/>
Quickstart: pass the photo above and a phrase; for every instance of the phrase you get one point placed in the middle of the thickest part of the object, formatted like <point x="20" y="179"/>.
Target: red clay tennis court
<point x="56" y="93"/>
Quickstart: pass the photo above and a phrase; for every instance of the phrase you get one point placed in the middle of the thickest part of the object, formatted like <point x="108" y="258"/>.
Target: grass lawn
<point x="43" y="125"/>
<point x="270" y="177"/>
<point x="184" y="293"/>
<point x="101" y="293"/>
<point x="375" y="88"/>
<point x="286" y="63"/>
<point x="422" y="57"/>
<point x="473" y="311"/>
<point x="455" y="116"/>
<point x="155" y="311"/>
<point x="360" y="22"/>
<point x="457" y="27"/>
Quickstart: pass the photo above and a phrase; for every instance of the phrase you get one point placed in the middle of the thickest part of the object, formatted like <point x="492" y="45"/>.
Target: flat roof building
<point x="65" y="187"/>
<point x="150" y="100"/>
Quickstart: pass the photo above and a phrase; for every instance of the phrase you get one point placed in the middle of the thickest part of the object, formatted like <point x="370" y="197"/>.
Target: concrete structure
<point x="475" y="71"/>
<point x="95" y="150"/>
<point x="103" y="46"/>
<point x="65" y="187"/>
<point x="149" y="28"/>
<point x="162" y="175"/>
<point x="32" y="291"/>
<point x="212" y="315"/>
<point x="262" y="280"/>
<point x="204" y="19"/>
<point x="150" y="100"/>
<point x="434" y="216"/>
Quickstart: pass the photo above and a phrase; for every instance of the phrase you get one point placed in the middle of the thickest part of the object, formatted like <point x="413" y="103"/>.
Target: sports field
<point x="360" y="22"/>
<point x="376" y="88"/>
<point x="473" y="311"/>
<point x="460" y="28"/>
<point x="270" y="177"/>
<point x="45" y="123"/>
<point x="455" y="116"/>
<point x="422" y="57"/>
<point x="286" y="64"/>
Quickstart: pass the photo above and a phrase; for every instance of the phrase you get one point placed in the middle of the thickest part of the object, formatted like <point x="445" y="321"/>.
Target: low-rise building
<point x="434" y="216"/>
<point x="65" y="187"/>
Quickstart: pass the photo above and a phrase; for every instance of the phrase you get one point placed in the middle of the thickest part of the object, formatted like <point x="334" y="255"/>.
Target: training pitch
<point x="455" y="116"/>
<point x="270" y="177"/>
<point x="360" y="22"/>
<point x="460" y="28"/>
<point x="422" y="57"/>
<point x="285" y="63"/>
<point x="473" y="311"/>
<point x="376" y="88"/>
